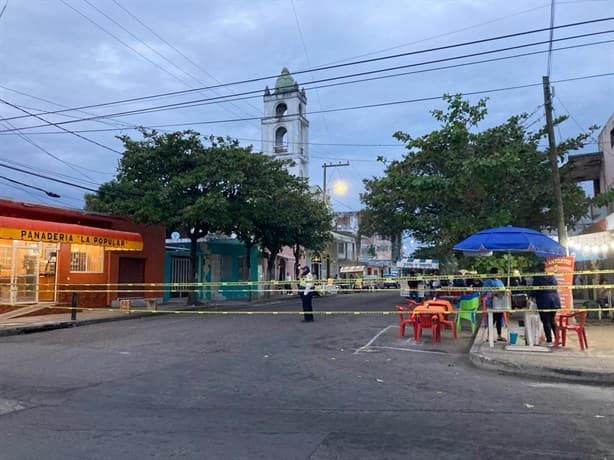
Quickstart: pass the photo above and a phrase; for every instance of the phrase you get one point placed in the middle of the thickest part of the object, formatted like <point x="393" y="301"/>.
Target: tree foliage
<point x="457" y="180"/>
<point x="218" y="186"/>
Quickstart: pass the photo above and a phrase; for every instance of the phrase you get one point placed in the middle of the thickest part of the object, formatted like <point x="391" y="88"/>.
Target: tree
<point x="172" y="179"/>
<point x="457" y="180"/>
<point x="175" y="180"/>
<point x="262" y="206"/>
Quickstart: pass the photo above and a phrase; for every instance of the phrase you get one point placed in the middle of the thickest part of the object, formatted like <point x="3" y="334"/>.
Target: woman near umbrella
<point x="547" y="301"/>
<point x="495" y="299"/>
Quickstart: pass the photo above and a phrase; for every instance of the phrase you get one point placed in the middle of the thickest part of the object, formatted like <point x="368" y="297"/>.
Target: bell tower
<point x="284" y="126"/>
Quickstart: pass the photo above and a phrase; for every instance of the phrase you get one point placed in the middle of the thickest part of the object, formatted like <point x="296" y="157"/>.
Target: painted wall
<point x="103" y="286"/>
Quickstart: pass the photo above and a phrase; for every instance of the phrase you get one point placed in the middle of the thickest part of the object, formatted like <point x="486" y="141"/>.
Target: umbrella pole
<point x="509" y="267"/>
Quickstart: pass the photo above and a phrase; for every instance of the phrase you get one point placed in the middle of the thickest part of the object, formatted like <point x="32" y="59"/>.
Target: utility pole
<point x="556" y="179"/>
<point x="324" y="200"/>
<point x="329" y="165"/>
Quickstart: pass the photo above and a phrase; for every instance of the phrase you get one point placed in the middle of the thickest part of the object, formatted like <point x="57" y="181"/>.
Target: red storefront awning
<point x="14" y="228"/>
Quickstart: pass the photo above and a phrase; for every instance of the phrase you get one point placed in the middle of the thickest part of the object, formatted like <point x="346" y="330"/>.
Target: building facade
<point x="47" y="254"/>
<point x="285" y="128"/>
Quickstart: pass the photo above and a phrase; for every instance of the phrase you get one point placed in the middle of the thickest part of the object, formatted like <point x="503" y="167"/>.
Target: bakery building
<point x="48" y="253"/>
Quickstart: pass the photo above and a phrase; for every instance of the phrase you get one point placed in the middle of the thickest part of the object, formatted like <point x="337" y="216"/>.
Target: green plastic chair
<point x="467" y="308"/>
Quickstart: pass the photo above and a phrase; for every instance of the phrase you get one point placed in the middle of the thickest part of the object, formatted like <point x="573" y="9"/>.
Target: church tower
<point x="284" y="126"/>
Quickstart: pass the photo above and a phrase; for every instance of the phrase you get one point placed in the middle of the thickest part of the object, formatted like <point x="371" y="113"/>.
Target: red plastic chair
<point x="426" y="320"/>
<point x="444" y="319"/>
<point x="405" y="318"/>
<point x="578" y="327"/>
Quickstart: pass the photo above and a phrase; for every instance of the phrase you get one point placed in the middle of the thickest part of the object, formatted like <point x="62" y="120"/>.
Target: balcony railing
<point x="280" y="148"/>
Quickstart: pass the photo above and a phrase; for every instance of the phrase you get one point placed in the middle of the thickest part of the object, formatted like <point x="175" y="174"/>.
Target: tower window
<point x="281" y="140"/>
<point x="281" y="109"/>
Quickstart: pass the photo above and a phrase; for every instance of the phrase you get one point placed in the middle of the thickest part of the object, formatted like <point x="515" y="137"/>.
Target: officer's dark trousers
<point x="307" y="308"/>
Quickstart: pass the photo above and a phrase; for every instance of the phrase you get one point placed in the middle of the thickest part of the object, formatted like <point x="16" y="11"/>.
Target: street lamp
<point x="329" y="165"/>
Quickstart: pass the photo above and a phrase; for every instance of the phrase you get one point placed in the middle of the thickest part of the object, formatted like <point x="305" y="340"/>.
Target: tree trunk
<point x="248" y="247"/>
<point x="270" y="269"/>
<point x="192" y="298"/>
<point x="296" y="250"/>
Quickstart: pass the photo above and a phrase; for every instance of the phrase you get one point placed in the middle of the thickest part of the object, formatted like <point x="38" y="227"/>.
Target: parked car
<point x="371" y="282"/>
<point x="391" y="282"/>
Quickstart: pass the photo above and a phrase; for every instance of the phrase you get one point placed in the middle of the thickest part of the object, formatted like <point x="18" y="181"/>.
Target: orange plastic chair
<point x="564" y="326"/>
<point x="444" y="318"/>
<point x="426" y="320"/>
<point x="405" y="318"/>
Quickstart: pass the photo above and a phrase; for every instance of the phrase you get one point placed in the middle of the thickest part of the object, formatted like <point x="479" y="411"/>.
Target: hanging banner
<point x="562" y="268"/>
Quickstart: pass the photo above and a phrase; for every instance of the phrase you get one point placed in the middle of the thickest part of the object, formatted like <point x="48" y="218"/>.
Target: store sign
<point x="562" y="268"/>
<point x="71" y="238"/>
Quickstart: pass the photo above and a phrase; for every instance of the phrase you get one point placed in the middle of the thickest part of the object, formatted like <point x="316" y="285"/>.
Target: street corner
<point x="387" y="339"/>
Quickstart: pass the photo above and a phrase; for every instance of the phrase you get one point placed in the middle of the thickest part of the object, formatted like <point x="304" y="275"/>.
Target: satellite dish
<point x="175" y="235"/>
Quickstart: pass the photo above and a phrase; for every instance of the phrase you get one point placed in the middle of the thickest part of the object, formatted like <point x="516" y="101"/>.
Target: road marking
<point x="373" y="339"/>
<point x="412" y="350"/>
<point x="10" y="405"/>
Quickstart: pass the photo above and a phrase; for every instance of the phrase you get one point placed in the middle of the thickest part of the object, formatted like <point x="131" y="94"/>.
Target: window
<point x="612" y="138"/>
<point x="86" y="258"/>
<point x="281" y="109"/>
<point x="281" y="144"/>
<point x="341" y="249"/>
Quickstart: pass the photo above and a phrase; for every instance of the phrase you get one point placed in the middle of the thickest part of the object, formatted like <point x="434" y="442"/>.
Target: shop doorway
<point x="180" y="276"/>
<point x="131" y="277"/>
<point x="22" y="267"/>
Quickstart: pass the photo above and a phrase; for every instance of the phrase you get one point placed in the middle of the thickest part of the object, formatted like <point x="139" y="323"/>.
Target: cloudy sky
<point x="104" y="58"/>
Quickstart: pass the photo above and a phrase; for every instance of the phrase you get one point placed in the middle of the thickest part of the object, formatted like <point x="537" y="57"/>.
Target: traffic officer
<point x="306" y="292"/>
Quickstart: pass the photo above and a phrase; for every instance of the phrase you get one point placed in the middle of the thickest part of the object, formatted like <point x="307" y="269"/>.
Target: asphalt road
<point x="266" y="386"/>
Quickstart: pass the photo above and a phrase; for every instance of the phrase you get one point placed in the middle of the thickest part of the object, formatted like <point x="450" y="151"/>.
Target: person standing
<point x="547" y="301"/>
<point x="306" y="292"/>
<point x="288" y="285"/>
<point x="603" y="295"/>
<point x="495" y="299"/>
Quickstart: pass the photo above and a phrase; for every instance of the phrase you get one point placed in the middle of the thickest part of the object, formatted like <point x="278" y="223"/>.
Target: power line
<point x="48" y="193"/>
<point x="206" y="101"/>
<point x="42" y="176"/>
<point x="91" y="21"/>
<point x="47" y="152"/>
<point x="368" y="106"/>
<point x="575" y="121"/>
<point x="552" y="4"/>
<point x="57" y="126"/>
<point x="364" y="61"/>
<point x="47" y="101"/>
<point x="148" y="47"/>
<point x="170" y="45"/>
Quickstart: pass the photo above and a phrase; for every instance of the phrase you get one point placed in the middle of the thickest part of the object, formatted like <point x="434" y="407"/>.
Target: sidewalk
<point x="594" y="365"/>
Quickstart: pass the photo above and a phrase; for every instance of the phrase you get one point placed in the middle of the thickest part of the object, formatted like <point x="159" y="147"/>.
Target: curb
<point x="483" y="361"/>
<point x="66" y="324"/>
<point x="50" y="326"/>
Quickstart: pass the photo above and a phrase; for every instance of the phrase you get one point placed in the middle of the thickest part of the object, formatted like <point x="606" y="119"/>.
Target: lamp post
<point x="324" y="198"/>
<point x="329" y="165"/>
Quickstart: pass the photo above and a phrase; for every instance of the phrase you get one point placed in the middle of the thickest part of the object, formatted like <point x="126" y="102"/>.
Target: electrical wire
<point x="207" y="101"/>
<point x="33" y="187"/>
<point x="170" y="45"/>
<point x="149" y="48"/>
<point x="4" y="101"/>
<point x="42" y="176"/>
<point x="364" y="61"/>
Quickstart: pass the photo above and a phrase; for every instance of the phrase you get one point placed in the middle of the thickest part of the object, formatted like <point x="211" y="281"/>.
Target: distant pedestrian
<point x="288" y="285"/>
<point x="306" y="292"/>
<point x="604" y="295"/>
<point x="547" y="301"/>
<point x="495" y="299"/>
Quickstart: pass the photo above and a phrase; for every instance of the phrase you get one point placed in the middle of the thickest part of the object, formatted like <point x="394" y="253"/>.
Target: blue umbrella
<point x="510" y="239"/>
